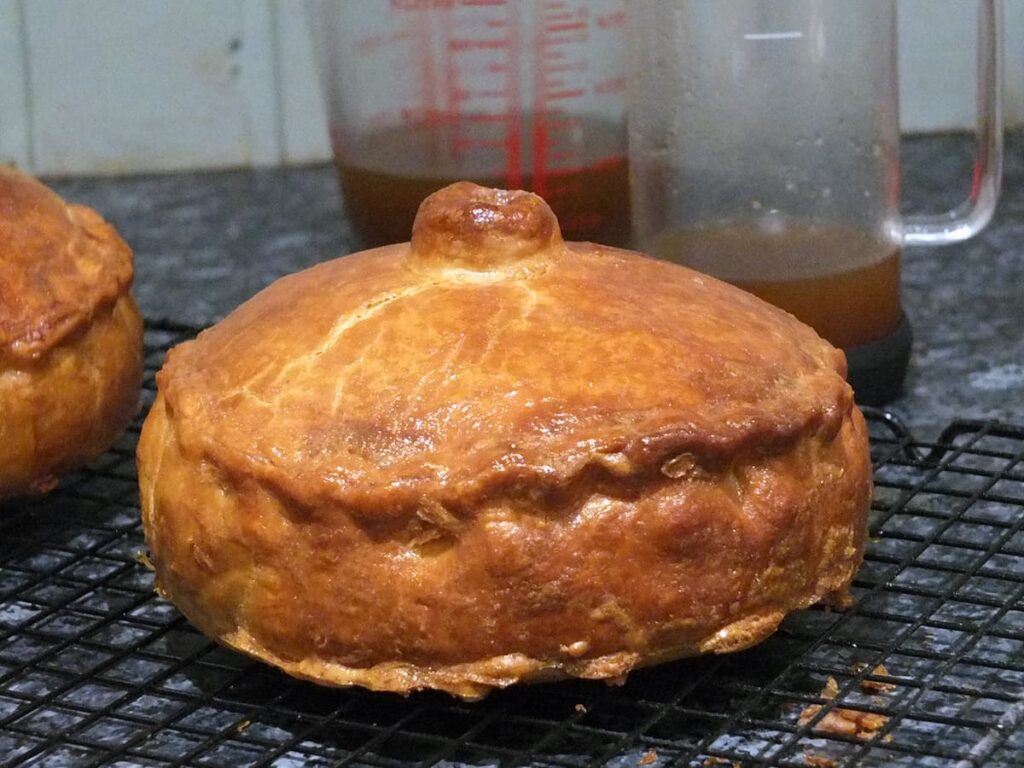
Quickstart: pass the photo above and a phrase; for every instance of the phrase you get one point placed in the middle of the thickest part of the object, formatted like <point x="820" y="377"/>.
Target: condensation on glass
<point x="764" y="149"/>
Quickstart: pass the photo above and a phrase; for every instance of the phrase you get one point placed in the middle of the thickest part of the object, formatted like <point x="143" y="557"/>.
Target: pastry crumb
<point x="831" y="689"/>
<point x="580" y="708"/>
<point x="242" y="726"/>
<point x="648" y="757"/>
<point x="142" y="557"/>
<point x="576" y="649"/>
<point x="817" y="761"/>
<point x="841" y="721"/>
<point x="874" y="686"/>
<point x="711" y="762"/>
<point x="840" y="600"/>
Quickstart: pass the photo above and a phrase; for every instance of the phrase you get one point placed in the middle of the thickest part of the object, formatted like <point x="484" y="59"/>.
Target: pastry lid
<point x="488" y="357"/>
<point x="59" y="264"/>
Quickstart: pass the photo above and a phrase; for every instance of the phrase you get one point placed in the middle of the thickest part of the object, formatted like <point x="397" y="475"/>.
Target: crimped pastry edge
<point x="91" y="426"/>
<point x="474" y="679"/>
<point x="641" y="454"/>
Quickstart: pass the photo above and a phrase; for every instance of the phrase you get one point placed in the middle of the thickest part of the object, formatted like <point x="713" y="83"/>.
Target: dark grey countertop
<point x="205" y="242"/>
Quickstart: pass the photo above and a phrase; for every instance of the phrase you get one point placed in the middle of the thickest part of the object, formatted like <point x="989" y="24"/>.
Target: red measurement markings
<point x="429" y="96"/>
<point x="559" y="24"/>
<point x="456" y="95"/>
<point x="486" y="68"/>
<point x="513" y="124"/>
<point x="566" y="26"/>
<point x="612" y="20"/>
<point x="570" y="39"/>
<point x="565" y="95"/>
<point x="453" y="88"/>
<point x="579" y="66"/>
<point x="466" y="44"/>
<point x="412" y="116"/>
<point x="421" y="5"/>
<point x="553" y="15"/>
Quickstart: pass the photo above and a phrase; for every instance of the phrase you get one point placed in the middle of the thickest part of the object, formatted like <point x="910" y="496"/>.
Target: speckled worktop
<point x="204" y="242"/>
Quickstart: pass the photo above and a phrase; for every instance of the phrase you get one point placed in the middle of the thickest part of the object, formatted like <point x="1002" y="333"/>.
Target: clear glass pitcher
<point x="511" y="93"/>
<point x="764" y="150"/>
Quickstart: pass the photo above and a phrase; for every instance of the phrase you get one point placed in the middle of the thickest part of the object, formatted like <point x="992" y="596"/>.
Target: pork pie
<point x="488" y="456"/>
<point x="70" y="336"/>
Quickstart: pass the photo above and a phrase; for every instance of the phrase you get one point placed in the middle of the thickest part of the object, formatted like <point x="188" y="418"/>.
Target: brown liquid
<point x="855" y="303"/>
<point x="386" y="176"/>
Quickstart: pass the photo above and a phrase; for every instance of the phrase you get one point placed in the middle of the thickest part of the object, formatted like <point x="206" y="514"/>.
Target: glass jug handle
<point x="971" y="216"/>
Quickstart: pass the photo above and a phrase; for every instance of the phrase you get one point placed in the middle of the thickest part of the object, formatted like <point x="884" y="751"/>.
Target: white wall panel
<point x="304" y="120"/>
<point x="127" y="85"/>
<point x="14" y="113"/>
<point x="937" y="46"/>
<point x="937" y="63"/>
<point x="1014" y="54"/>
<point x="259" y="83"/>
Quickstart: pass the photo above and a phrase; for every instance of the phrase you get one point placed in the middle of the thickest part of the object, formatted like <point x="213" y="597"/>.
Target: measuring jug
<point x="764" y="149"/>
<point x="521" y="94"/>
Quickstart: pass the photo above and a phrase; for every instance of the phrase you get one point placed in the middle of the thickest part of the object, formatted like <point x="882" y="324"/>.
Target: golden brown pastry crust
<point x="70" y="335"/>
<point x="487" y="457"/>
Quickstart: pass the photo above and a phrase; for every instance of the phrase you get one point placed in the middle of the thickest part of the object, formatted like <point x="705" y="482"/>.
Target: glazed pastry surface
<point x="488" y="456"/>
<point x="70" y="335"/>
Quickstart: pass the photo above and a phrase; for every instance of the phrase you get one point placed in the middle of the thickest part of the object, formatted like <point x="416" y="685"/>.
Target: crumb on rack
<point x="242" y="726"/>
<point x="711" y="762"/>
<point x="842" y="721"/>
<point x="648" y="757"/>
<point x="818" y="761"/>
<point x="841" y="600"/>
<point x="142" y="557"/>
<point x="874" y="686"/>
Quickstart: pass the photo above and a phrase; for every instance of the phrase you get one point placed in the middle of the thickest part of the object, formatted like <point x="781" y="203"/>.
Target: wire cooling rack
<point x="927" y="667"/>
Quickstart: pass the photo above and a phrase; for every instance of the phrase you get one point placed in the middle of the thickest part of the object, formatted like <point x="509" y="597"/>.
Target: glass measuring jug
<point x="764" y="149"/>
<point x="521" y="94"/>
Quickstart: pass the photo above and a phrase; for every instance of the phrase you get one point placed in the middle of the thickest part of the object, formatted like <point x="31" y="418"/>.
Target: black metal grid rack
<point x="96" y="670"/>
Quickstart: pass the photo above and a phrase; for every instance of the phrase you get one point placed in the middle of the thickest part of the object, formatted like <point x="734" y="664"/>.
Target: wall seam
<point x="278" y="65"/>
<point x="29" y="102"/>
